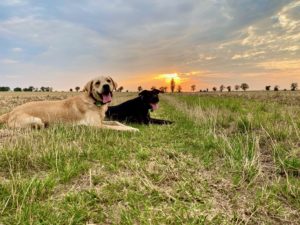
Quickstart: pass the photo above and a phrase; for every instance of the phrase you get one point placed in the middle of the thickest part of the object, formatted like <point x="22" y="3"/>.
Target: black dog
<point x="137" y="110"/>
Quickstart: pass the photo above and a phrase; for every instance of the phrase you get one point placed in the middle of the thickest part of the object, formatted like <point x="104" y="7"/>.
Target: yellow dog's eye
<point x="108" y="81"/>
<point x="97" y="83"/>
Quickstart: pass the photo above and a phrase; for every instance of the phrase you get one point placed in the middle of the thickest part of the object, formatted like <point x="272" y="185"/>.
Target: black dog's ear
<point x="156" y="91"/>
<point x="143" y="93"/>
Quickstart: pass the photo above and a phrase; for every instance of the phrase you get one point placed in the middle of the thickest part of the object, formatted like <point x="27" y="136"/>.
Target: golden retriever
<point x="86" y="109"/>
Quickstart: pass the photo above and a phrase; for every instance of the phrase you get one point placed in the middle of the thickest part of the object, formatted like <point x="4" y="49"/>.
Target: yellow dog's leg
<point x="114" y="125"/>
<point x="26" y="121"/>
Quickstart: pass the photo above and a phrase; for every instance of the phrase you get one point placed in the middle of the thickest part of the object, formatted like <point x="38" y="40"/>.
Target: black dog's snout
<point x="155" y="99"/>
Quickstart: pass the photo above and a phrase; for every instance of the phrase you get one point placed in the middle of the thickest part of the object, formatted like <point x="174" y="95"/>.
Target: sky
<point x="63" y="44"/>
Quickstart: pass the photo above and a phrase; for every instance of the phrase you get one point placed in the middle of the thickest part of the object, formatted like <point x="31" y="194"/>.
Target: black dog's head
<point x="150" y="98"/>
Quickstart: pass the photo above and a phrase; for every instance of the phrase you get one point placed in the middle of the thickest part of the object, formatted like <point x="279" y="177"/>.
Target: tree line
<point x="245" y="86"/>
<point x="27" y="89"/>
<point x="237" y="87"/>
<point x="294" y="87"/>
<point x="173" y="88"/>
<point x="221" y="88"/>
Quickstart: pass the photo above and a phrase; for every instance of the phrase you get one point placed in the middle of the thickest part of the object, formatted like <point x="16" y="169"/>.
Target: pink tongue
<point x="154" y="106"/>
<point x="106" y="98"/>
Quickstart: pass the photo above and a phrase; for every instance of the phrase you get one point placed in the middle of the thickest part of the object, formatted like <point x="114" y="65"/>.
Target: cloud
<point x="60" y="43"/>
<point x="8" y="61"/>
<point x="247" y="55"/>
<point x="280" y="65"/>
<point x="17" y="49"/>
<point x="12" y="76"/>
<point x="291" y="48"/>
<point x="270" y="40"/>
<point x="13" y="2"/>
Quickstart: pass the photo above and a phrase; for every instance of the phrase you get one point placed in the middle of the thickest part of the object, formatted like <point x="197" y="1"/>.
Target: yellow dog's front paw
<point x="134" y="129"/>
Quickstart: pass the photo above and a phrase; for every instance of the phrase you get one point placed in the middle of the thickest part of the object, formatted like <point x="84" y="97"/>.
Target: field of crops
<point x="229" y="158"/>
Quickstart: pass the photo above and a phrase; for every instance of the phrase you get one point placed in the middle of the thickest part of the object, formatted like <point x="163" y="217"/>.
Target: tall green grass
<point x="225" y="161"/>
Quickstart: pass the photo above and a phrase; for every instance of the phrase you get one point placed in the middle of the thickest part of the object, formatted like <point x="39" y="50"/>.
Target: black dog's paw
<point x="160" y="122"/>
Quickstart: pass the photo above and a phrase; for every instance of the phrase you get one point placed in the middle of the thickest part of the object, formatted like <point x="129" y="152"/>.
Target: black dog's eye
<point x="108" y="81"/>
<point x="98" y="83"/>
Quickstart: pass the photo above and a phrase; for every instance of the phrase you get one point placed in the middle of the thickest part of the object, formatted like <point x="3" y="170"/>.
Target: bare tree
<point x="163" y="89"/>
<point x="222" y="87"/>
<point x="229" y="88"/>
<point x="294" y="86"/>
<point x="172" y="86"/>
<point x="120" y="89"/>
<point x="244" y="86"/>
<point x="179" y="88"/>
<point x="140" y="88"/>
<point x="77" y="88"/>
<point x="237" y="87"/>
<point x="276" y="88"/>
<point x="268" y="88"/>
<point x="193" y="87"/>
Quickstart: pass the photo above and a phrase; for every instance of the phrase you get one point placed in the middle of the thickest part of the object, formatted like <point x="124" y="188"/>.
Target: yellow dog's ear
<point x="88" y="87"/>
<point x="115" y="85"/>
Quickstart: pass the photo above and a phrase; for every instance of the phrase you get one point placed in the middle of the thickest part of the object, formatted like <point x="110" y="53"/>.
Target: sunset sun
<point x="169" y="76"/>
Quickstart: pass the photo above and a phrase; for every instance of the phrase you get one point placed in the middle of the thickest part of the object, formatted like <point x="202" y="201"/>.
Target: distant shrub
<point x="222" y="87"/>
<point x="17" y="89"/>
<point x="29" y="89"/>
<point x="244" y="86"/>
<point x="179" y="88"/>
<point x="294" y="86"/>
<point x="4" y="88"/>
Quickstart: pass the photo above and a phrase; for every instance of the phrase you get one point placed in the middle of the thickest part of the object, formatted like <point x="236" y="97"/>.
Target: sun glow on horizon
<point x="168" y="77"/>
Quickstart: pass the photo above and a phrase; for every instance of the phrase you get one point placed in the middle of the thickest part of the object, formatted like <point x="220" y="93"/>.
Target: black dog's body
<point x="137" y="110"/>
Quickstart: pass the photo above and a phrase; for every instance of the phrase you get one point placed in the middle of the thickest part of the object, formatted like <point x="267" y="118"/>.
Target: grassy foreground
<point x="228" y="159"/>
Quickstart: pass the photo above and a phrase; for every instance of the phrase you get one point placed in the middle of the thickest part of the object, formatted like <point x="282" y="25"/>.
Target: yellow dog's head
<point x="101" y="88"/>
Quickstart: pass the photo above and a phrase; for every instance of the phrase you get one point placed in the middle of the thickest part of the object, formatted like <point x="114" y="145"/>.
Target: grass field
<point x="231" y="158"/>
